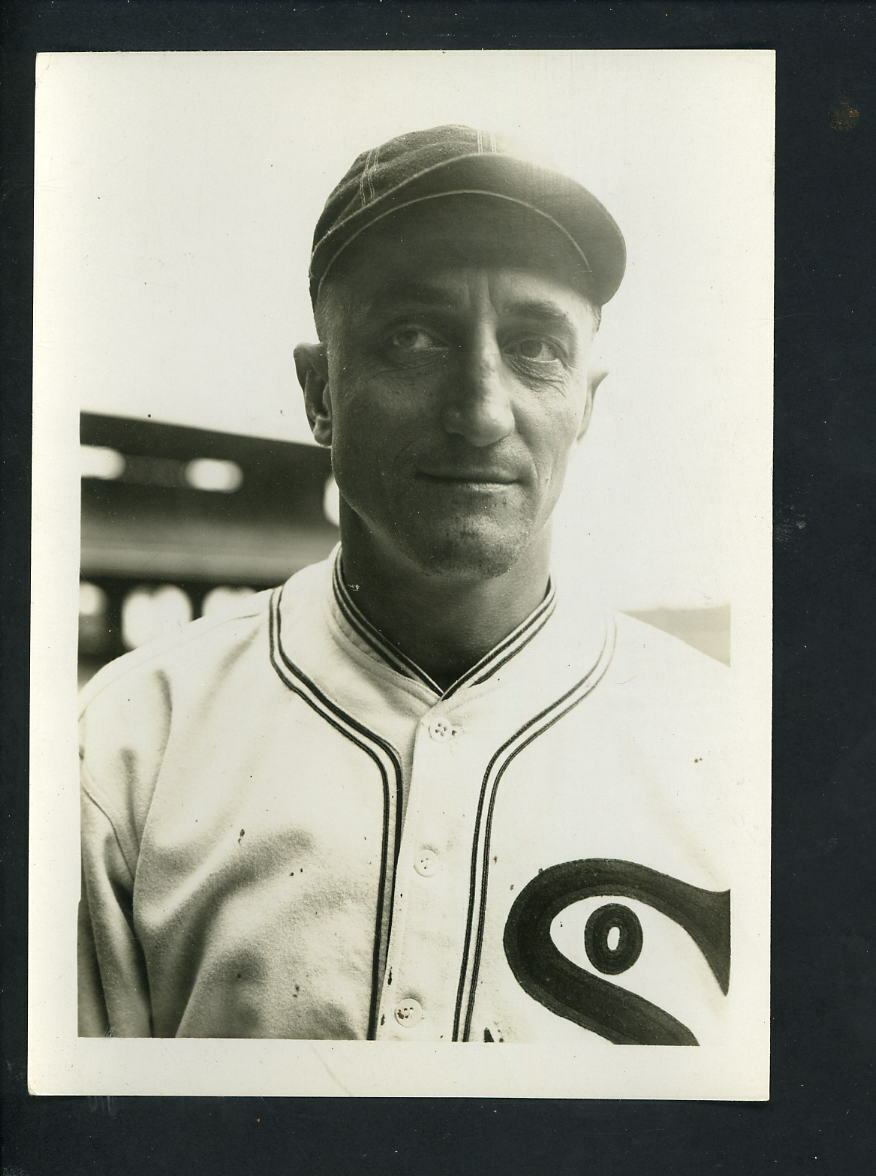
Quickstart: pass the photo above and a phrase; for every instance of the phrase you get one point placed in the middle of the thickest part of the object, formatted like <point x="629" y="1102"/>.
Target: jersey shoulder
<point x="201" y="650"/>
<point x="181" y="649"/>
<point x="665" y="685"/>
<point x="653" y="654"/>
<point x="135" y="706"/>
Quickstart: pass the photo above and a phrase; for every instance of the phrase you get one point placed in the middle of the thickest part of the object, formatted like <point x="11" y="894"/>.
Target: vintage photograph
<point x="402" y="434"/>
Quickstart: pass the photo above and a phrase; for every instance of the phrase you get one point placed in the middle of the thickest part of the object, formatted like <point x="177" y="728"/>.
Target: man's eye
<point x="414" y="340"/>
<point x="536" y="349"/>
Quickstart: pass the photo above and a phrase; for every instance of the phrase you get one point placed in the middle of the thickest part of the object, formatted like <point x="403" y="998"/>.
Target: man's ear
<point x="594" y="379"/>
<point x="311" y="364"/>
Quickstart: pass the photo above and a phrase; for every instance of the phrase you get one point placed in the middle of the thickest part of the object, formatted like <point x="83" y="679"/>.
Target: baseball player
<point x="419" y="791"/>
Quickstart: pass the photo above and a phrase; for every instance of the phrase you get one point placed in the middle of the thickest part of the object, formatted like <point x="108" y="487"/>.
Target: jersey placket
<point x="431" y="881"/>
<point x="445" y="752"/>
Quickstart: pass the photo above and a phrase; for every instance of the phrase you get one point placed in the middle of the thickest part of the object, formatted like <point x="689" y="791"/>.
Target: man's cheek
<point x="361" y="467"/>
<point x="551" y="453"/>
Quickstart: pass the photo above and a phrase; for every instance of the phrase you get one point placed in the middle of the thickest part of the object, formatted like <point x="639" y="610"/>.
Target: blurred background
<point x="179" y="523"/>
<point x="176" y="195"/>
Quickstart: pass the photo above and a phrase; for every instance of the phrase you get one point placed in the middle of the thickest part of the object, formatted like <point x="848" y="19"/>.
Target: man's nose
<point x="479" y="406"/>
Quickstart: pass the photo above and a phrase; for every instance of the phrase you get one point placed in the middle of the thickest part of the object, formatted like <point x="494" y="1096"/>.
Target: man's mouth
<point x="468" y="477"/>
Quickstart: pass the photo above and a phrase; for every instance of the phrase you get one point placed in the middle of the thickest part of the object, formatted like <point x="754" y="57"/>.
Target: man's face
<point x="456" y="346"/>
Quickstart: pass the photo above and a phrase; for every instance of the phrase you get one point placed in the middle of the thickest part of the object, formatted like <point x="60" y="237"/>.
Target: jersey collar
<point x="387" y="652"/>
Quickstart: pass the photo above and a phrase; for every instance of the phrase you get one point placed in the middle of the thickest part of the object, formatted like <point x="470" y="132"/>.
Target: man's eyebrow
<point x="542" y="310"/>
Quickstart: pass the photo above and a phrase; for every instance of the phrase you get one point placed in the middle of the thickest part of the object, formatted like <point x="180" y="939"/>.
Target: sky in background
<point x="176" y="196"/>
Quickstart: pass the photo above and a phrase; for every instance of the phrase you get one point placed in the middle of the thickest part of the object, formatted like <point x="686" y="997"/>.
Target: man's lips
<point x="469" y="477"/>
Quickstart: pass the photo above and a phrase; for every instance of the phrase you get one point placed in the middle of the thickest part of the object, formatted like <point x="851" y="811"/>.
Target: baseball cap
<point x="459" y="160"/>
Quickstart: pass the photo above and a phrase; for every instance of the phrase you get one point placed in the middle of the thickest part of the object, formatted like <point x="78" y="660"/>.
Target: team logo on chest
<point x="613" y="942"/>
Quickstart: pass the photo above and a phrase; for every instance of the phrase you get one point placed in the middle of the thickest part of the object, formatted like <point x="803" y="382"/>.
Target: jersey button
<point x="440" y="729"/>
<point x="408" y="1012"/>
<point x="426" y="863"/>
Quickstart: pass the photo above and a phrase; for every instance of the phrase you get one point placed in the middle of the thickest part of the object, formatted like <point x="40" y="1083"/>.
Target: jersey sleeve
<point x="113" y="985"/>
<point x="122" y="733"/>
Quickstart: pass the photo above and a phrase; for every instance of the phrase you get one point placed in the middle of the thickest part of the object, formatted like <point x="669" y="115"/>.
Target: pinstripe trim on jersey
<point x="399" y="661"/>
<point x="388" y="764"/>
<point x="509" y="647"/>
<point x="370" y="634"/>
<point x="471" y="956"/>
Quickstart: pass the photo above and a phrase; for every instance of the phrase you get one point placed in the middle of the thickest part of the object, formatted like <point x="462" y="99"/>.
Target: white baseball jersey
<point x="290" y="831"/>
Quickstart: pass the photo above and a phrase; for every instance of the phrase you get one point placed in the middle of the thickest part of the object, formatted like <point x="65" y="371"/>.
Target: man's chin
<point x="465" y="555"/>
